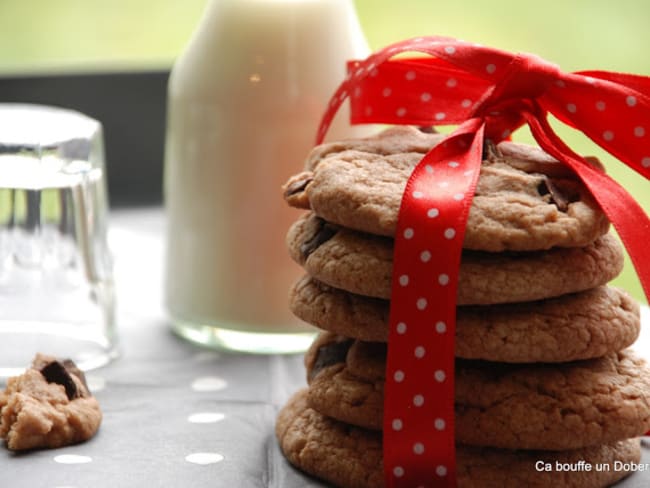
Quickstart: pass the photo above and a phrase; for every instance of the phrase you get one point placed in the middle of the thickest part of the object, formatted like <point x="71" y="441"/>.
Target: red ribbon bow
<point x="490" y="93"/>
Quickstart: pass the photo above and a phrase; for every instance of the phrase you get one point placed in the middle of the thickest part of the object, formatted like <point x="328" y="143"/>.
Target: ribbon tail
<point x="627" y="216"/>
<point x="639" y="83"/>
<point x="421" y="345"/>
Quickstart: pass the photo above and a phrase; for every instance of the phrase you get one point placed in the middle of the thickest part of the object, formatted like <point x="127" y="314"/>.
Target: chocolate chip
<point x="427" y="129"/>
<point x="557" y="196"/>
<point x="297" y="184"/>
<point x="72" y="368"/>
<point x="323" y="233"/>
<point x="490" y="151"/>
<point x="542" y="188"/>
<point x="56" y="372"/>
<point x="330" y="354"/>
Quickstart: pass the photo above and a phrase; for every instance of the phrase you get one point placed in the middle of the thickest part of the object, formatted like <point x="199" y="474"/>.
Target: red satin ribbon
<point x="490" y="93"/>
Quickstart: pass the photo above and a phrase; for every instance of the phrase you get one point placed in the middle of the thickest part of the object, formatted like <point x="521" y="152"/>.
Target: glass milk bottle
<point x="245" y="99"/>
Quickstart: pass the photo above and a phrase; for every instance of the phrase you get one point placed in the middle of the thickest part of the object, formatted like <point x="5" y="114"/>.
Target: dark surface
<point x="131" y="107"/>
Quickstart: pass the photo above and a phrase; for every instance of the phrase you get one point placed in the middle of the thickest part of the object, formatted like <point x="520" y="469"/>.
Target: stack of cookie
<point x="544" y="383"/>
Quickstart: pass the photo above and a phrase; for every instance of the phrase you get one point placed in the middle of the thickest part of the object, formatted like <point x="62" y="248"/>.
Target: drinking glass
<point x="56" y="284"/>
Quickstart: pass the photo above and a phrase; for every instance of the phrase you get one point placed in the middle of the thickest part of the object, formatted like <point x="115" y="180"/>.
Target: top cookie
<point x="524" y="200"/>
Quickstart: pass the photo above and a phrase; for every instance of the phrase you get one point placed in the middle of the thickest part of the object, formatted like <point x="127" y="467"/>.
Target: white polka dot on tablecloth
<point x="600" y="105"/>
<point x="443" y="279"/>
<point x="398" y="471"/>
<point x="639" y="131"/>
<point x="205" y="417"/>
<point x="419" y="352"/>
<point x="418" y="448"/>
<point x="204" y="458"/>
<point x="450" y="49"/>
<point x="631" y="101"/>
<point x="490" y="68"/>
<point x="397" y="424"/>
<point x="466" y="103"/>
<point x="441" y="470"/>
<point x="404" y="280"/>
<point x="433" y="213"/>
<point x="425" y="256"/>
<point x="409" y="233"/>
<point x="209" y="383"/>
<point x="386" y="92"/>
<point x="451" y="82"/>
<point x="425" y="97"/>
<point x="410" y="75"/>
<point x="418" y="400"/>
<point x="645" y="162"/>
<point x="439" y="424"/>
<point x="608" y="135"/>
<point x="421" y="303"/>
<point x="72" y="459"/>
<point x="440" y="376"/>
<point x="571" y="107"/>
<point x="399" y="376"/>
<point x="401" y="328"/>
<point x="441" y="327"/>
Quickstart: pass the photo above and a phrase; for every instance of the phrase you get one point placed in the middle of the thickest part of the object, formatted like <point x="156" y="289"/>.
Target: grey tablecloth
<point x="175" y="415"/>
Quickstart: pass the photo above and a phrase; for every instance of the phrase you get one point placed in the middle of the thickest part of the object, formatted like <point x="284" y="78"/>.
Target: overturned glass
<point x="56" y="283"/>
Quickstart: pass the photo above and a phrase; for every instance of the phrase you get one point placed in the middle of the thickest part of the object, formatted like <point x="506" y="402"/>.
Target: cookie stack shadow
<point x="545" y="383"/>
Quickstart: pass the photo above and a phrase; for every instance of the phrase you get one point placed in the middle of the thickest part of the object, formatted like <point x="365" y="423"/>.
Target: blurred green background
<point x="38" y="36"/>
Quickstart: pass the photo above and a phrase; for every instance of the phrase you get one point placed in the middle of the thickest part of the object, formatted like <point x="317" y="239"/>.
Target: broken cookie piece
<point x="48" y="406"/>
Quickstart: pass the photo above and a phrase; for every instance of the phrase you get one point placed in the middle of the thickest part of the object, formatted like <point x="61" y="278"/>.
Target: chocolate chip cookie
<point x="528" y="406"/>
<point x="362" y="263"/>
<point x="349" y="456"/>
<point x="524" y="199"/>
<point x="48" y="406"/>
<point x="583" y="325"/>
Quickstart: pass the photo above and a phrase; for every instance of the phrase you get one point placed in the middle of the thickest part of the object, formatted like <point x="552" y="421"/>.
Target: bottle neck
<point x="292" y="43"/>
<point x="257" y="19"/>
